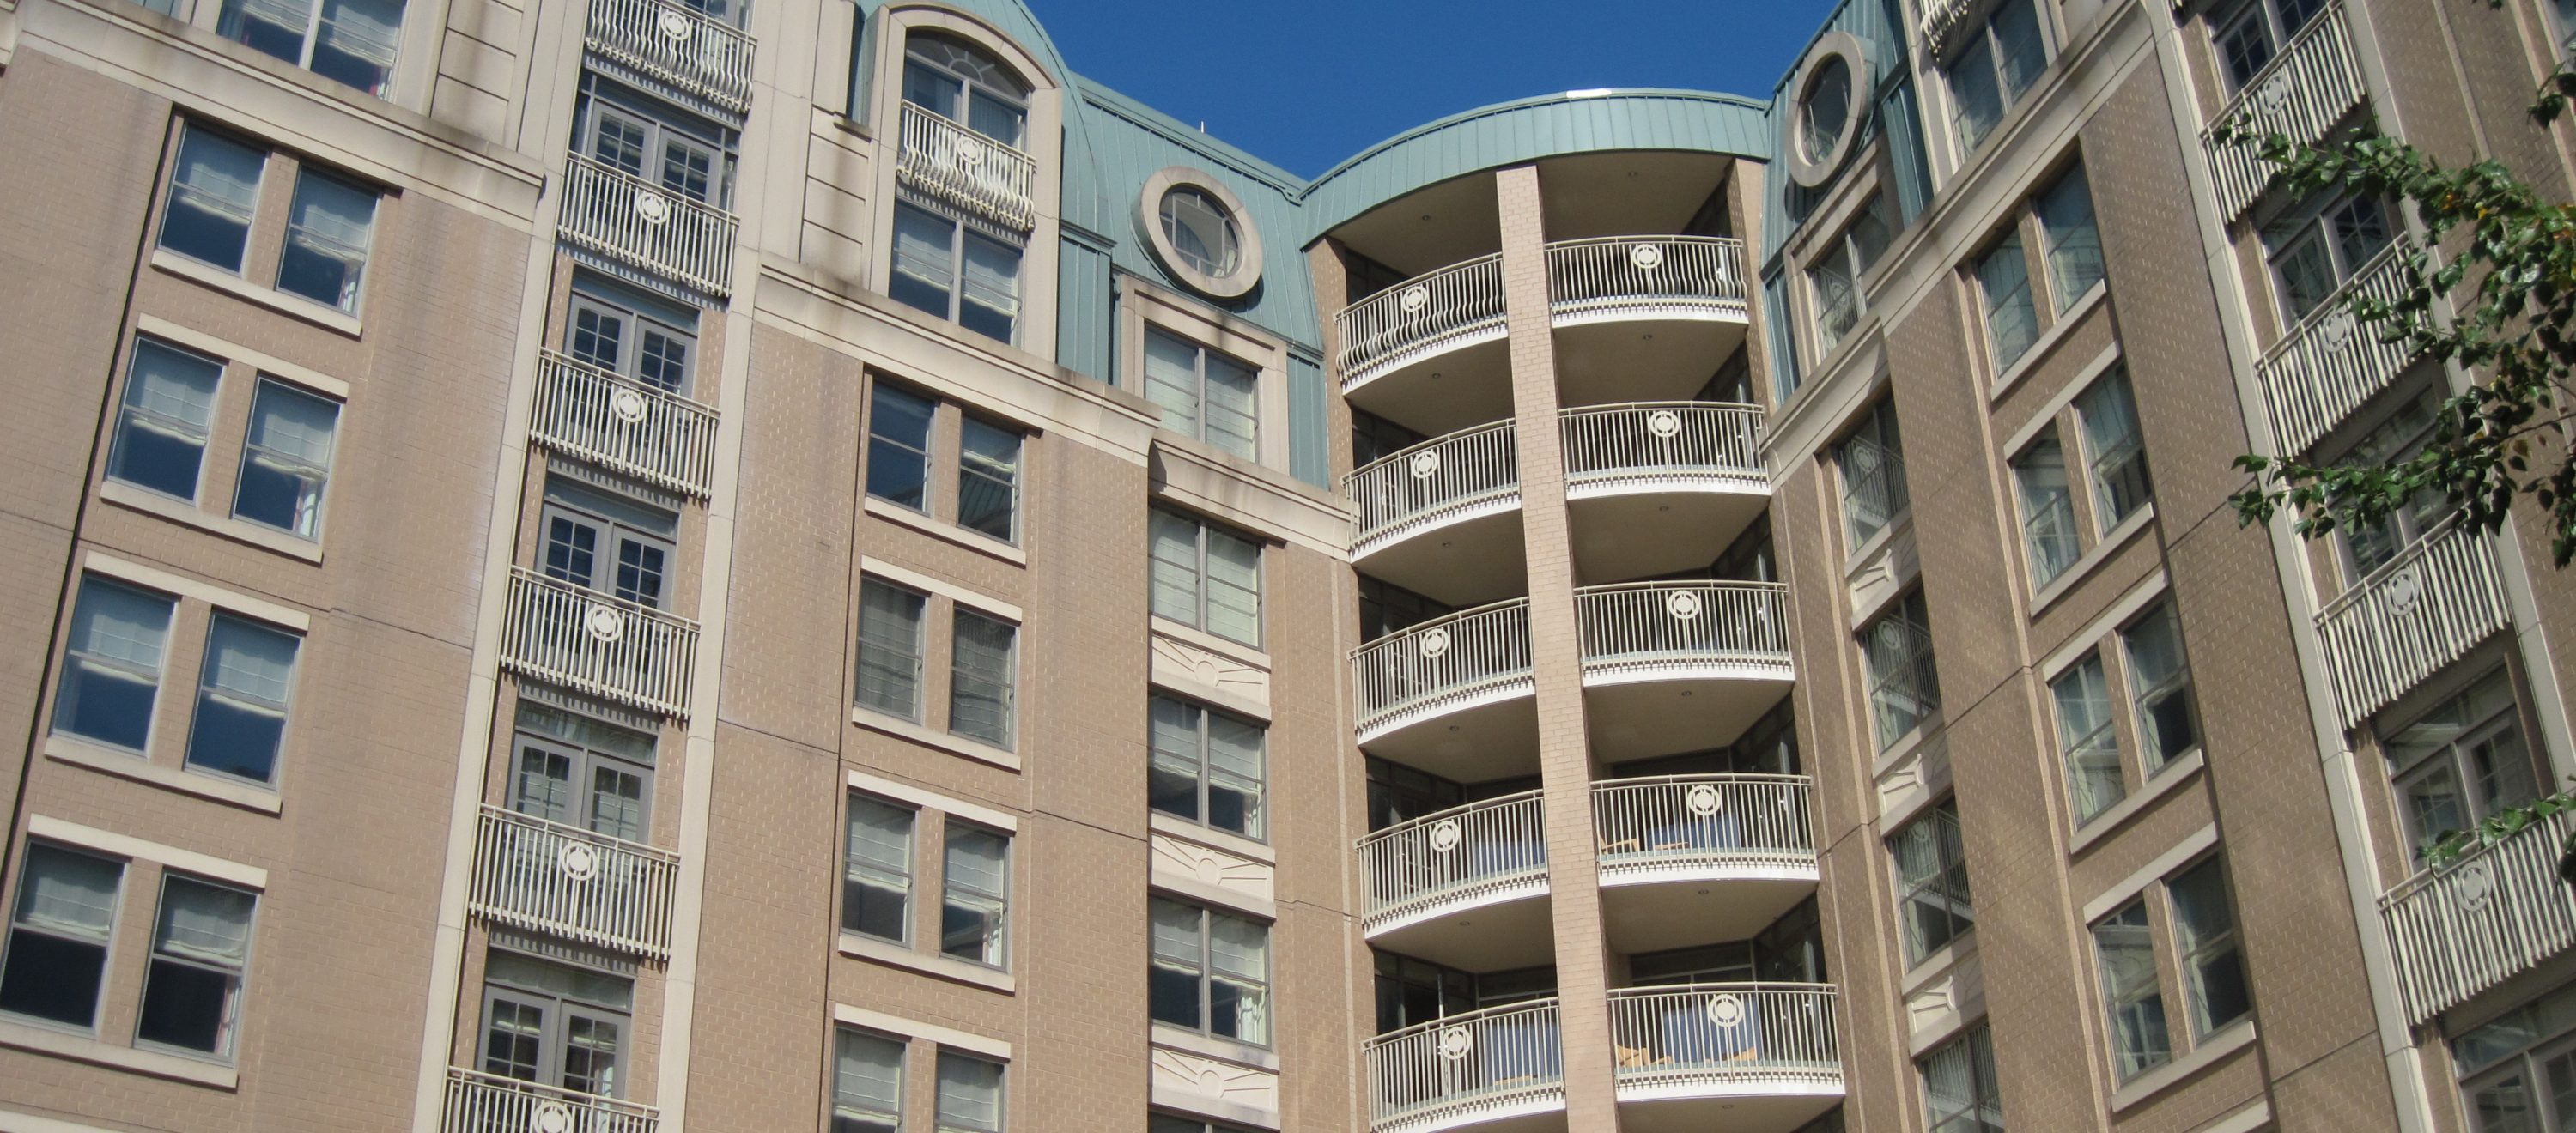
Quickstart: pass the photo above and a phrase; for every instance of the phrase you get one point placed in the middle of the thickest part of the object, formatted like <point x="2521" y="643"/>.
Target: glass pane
<point x="67" y="893"/>
<point x="356" y="42"/>
<point x="979" y="697"/>
<point x="2205" y="932"/>
<point x="161" y="429"/>
<point x="988" y="478"/>
<point x="2085" y="736"/>
<point x="924" y="261"/>
<point x="112" y="668"/>
<point x="328" y="231"/>
<point x="972" y="917"/>
<point x="590" y="1054"/>
<point x="1233" y="587"/>
<point x="1176" y="568"/>
<point x="1176" y="765"/>
<point x="598" y="336"/>
<point x="191" y="1004"/>
<point x="2126" y="950"/>
<point x="1837" y="298"/>
<point x="1233" y="400"/>
<point x="1825" y="108"/>
<point x="996" y="119"/>
<point x="899" y="447"/>
<point x="991" y="305"/>
<point x="241" y="699"/>
<point x="2074" y="245"/>
<point x="215" y="191"/>
<point x="2047" y="510"/>
<point x="2161" y="685"/>
<point x="931" y="89"/>
<point x="542" y="787"/>
<point x="1976" y="100"/>
<point x="2120" y="485"/>
<point x="664" y="362"/>
<point x="512" y="1038"/>
<point x="287" y="460"/>
<point x="867" y="1085"/>
<point x="2019" y="50"/>
<point x="878" y="880"/>
<point x="58" y="952"/>
<point x="2012" y="323"/>
<point x="1200" y="231"/>
<point x="272" y="27"/>
<point x="890" y="649"/>
<point x="2307" y="276"/>
<point x="970" y="1093"/>
<point x="1234" y="775"/>
<point x="1172" y="380"/>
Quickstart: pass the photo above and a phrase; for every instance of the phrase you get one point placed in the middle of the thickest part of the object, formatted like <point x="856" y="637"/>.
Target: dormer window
<point x="966" y="86"/>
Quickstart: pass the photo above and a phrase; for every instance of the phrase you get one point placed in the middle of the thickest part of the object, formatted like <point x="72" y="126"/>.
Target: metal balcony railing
<point x="2301" y="94"/>
<point x="2331" y="363"/>
<point x="1689" y="824"/>
<point x="1642" y="630"/>
<point x="1459" y="305"/>
<point x="2411" y="617"/>
<point x="1432" y="483"/>
<point x="1482" y="1066"/>
<point x="614" y="421"/>
<point x="1491" y="850"/>
<point x="567" y="881"/>
<point x="1628" y="276"/>
<point x="1651" y="444"/>
<point x="488" y="1103"/>
<point x="1941" y="20"/>
<point x="2492" y="915"/>
<point x="1452" y="662"/>
<point x="964" y="169"/>
<point x="677" y="44"/>
<point x="598" y="643"/>
<point x="634" y="221"/>
<point x="1731" y="1037"/>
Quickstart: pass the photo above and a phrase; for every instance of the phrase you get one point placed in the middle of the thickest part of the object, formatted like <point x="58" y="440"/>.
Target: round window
<point x="1824" y="111"/>
<point x="1202" y="231"/>
<point x="1832" y="97"/>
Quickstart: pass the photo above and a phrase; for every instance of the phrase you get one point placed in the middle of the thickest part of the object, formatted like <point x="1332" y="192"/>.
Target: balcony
<point x="1452" y="695"/>
<point x="623" y="425"/>
<point x="1943" y="19"/>
<point x="676" y="44"/>
<point x="1428" y="351"/>
<point x="2494" y="914"/>
<point x="1668" y="843"/>
<point x="564" y="880"/>
<point x="1747" y="1058"/>
<point x="1660" y="487"/>
<point x="963" y="169"/>
<point x="1443" y="517"/>
<point x="1499" y="1069"/>
<point x="638" y="223"/>
<point x="487" y="1103"/>
<point x="1671" y="667"/>
<point x="2301" y="94"/>
<point x="598" y="643"/>
<point x="1457" y="887"/>
<point x="2410" y="618"/>
<point x="2331" y="363"/>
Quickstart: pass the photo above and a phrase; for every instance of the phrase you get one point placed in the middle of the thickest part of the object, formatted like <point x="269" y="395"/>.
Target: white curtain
<point x="70" y="893"/>
<point x="204" y="922"/>
<point x="970" y="1092"/>
<point x="116" y="624"/>
<point x="174" y="391"/>
<point x="250" y="666"/>
<point x="363" y="29"/>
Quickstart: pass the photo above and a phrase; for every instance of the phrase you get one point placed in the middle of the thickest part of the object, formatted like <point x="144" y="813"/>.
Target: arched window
<point x="955" y="81"/>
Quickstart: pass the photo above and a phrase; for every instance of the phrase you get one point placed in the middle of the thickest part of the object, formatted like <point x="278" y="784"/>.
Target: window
<point x="1932" y="880"/>
<point x="2098" y="431"/>
<point x="348" y="41"/>
<point x="555" y="1024"/>
<point x="1871" y="461"/>
<point x="1204" y="394"/>
<point x="2073" y="245"/>
<point x="975" y="907"/>
<point x="890" y="649"/>
<point x="162" y="426"/>
<point x="2085" y="738"/>
<point x="1387" y="608"/>
<point x="648" y="342"/>
<point x="980" y="678"/>
<point x="1207" y="578"/>
<point x="214" y="195"/>
<point x="952" y="272"/>
<point x="1210" y="972"/>
<point x="1833" y="278"/>
<point x="2316" y="247"/>
<point x="2145" y="656"/>
<point x="58" y="935"/>
<point x="2125" y="948"/>
<point x="2118" y="454"/>
<point x="2518" y="1073"/>
<point x="2047" y="508"/>
<point x="200" y="946"/>
<point x="2246" y="39"/>
<point x="1959" y="1090"/>
<point x="970" y="1094"/>
<point x="1825" y="109"/>
<point x="606" y="543"/>
<point x="1202" y="231"/>
<point x="112" y="664"/>
<point x="2012" y="322"/>
<point x="1904" y="687"/>
<point x="899" y="447"/>
<point x="2400" y="436"/>
<point x="2461" y="761"/>
<point x="876" y="887"/>
<point x="988" y="480"/>
<point x="1207" y="767"/>
<point x="2160" y="688"/>
<point x="1992" y="73"/>
<point x="959" y="83"/>
<point x="214" y="200"/>
<point x="582" y="772"/>
<point x="903" y="462"/>
<point x="2213" y="968"/>
<point x="241" y="699"/>
<point x="659" y="144"/>
<point x="286" y="460"/>
<point x="867" y="1083"/>
<point x="328" y="229"/>
<point x="1374" y="438"/>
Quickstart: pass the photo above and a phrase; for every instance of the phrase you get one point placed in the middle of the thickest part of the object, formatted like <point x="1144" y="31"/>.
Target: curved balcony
<point x="1452" y="695"/>
<point x="1657" y="487"/>
<point x="1428" y="351"/>
<point x="1499" y="1069"/>
<point x="1678" y="666"/>
<point x="1667" y="843"/>
<point x="1643" y="318"/>
<point x="1744" y="1057"/>
<point x="1465" y="489"/>
<point x="1456" y="886"/>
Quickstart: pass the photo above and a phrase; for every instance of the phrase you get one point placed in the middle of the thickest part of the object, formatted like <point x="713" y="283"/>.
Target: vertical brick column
<point x="1556" y="654"/>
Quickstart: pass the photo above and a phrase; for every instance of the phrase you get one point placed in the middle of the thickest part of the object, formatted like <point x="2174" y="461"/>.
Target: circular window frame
<point x="1149" y="223"/>
<point x="1835" y="45"/>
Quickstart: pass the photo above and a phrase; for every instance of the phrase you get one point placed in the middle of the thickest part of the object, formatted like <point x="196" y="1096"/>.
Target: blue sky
<point x="1323" y="79"/>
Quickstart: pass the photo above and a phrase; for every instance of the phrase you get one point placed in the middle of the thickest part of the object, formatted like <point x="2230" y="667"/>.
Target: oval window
<point x="1825" y="110"/>
<point x="1202" y="231"/>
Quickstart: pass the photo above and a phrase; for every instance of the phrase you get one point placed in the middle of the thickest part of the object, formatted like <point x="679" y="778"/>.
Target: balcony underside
<point x="1443" y="386"/>
<point x="1647" y="907"/>
<point x="1492" y="737"/>
<point x="1468" y="558"/>
<point x="1666" y="709"/>
<point x="1642" y="351"/>
<point x="1510" y="931"/>
<point x="1543" y="1113"/>
<point x="1648" y="526"/>
<point x="1686" y="1105"/>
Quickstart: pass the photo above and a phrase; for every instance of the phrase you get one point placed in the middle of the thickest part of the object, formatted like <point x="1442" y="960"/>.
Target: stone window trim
<point x="938" y="617"/>
<point x="1142" y="305"/>
<point x="948" y="468"/>
<point x="1814" y="170"/>
<point x="933" y="815"/>
<point x="1149" y="204"/>
<point x="2184" y="965"/>
<point x="267" y="228"/>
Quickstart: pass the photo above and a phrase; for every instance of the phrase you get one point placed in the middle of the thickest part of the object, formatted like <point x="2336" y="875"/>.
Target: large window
<point x="1932" y="890"/>
<point x="2201" y="945"/>
<point x="1904" y="685"/>
<point x="2124" y="946"/>
<point x="1203" y="393"/>
<point x="555" y="1024"/>
<point x="2316" y="246"/>
<point x="328" y="229"/>
<point x="957" y="82"/>
<point x="214" y="203"/>
<point x="970" y="1094"/>
<point x="1871" y="463"/>
<point x="867" y="1082"/>
<point x="951" y="271"/>
<point x="905" y="462"/>
<point x="583" y="772"/>
<point x="975" y="905"/>
<point x="2115" y="453"/>
<point x="2518" y="1073"/>
<point x="633" y="336"/>
<point x="1206" y="577"/>
<point x="57" y="966"/>
<point x="348" y="41"/>
<point x="58" y="934"/>
<point x="1999" y="64"/>
<point x="2461" y="761"/>
<point x="890" y="649"/>
<point x="286" y="460"/>
<point x="192" y="986"/>
<point x="167" y="415"/>
<point x="1210" y="972"/>
<point x="2064" y="514"/>
<point x="2399" y="436"/>
<point x="988" y="480"/>
<point x="242" y="690"/>
<point x="111" y="678"/>
<point x="2143" y="657"/>
<point x="1959" y="1090"/>
<point x="2047" y="508"/>
<point x="214" y="197"/>
<point x="2249" y="36"/>
<point x="604" y="542"/>
<point x="114" y="659"/>
<point x="2160" y="688"/>
<point x="980" y="678"/>
<point x="876" y="881"/>
<point x="653" y="141"/>
<point x="1834" y="275"/>
<point x="1207" y="767"/>
<point x="2085" y="738"/>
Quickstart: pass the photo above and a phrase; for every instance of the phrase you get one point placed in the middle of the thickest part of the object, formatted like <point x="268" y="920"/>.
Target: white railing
<point x="1482" y="1066"/>
<point x="678" y="45"/>
<point x="565" y="880"/>
<point x="1465" y="658"/>
<point x="1431" y="483"/>
<point x="598" y="643"/>
<point x="1649" y="444"/>
<point x="1490" y="850"/>
<point x="2494" y="914"/>
<point x="488" y="1103"/>
<point x="960" y="167"/>
<point x="1688" y="824"/>
<point x="1731" y="1038"/>
<point x="2331" y="363"/>
<point x="1942" y="19"/>
<point x="635" y="221"/>
<point x="2301" y="94"/>
<point x="1624" y="276"/>
<point x="2412" y="616"/>
<point x="1636" y="630"/>
<point x="1458" y="305"/>
<point x="589" y="413"/>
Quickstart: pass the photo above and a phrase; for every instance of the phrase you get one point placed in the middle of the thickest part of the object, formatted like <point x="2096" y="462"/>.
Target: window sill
<point x="2229" y="1039"/>
<point x="1873" y="549"/>
<point x="941" y="529"/>
<point x="959" y="971"/>
<point x="1943" y="960"/>
<point x="2157" y="786"/>
<point x="176" y="511"/>
<point x="82" y="1048"/>
<point x="1214" y="839"/>
<point x="1187" y="634"/>
<point x="2040" y="347"/>
<point x="127" y="765"/>
<point x="1223" y="1050"/>
<point x="342" y="322"/>
<point x="2091" y="560"/>
<point x="905" y="729"/>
